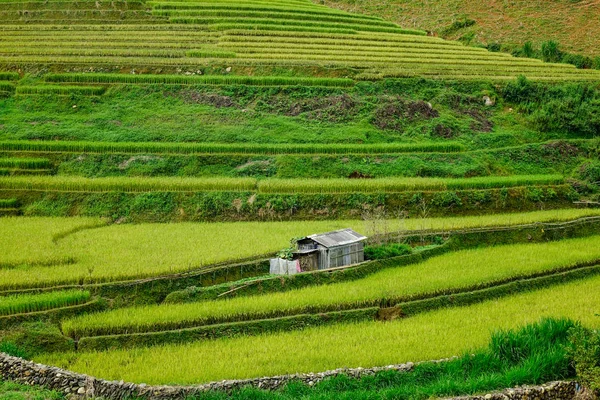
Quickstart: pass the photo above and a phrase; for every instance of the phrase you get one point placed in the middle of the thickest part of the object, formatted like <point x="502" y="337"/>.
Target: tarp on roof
<point x="341" y="237"/>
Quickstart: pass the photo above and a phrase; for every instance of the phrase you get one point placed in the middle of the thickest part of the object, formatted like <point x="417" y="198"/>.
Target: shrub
<point x="520" y="91"/>
<point x="551" y="51"/>
<point x="387" y="251"/>
<point x="584" y="351"/>
<point x="590" y="172"/>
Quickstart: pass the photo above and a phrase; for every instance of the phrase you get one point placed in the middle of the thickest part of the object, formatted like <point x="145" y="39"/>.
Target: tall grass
<point x="28" y="303"/>
<point x="448" y="272"/>
<point x="432" y="335"/>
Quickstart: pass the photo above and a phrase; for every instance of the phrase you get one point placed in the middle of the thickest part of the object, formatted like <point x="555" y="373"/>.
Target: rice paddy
<point x="453" y="271"/>
<point x="197" y="110"/>
<point x="198" y="34"/>
<point x="432" y="335"/>
<point x="43" y="252"/>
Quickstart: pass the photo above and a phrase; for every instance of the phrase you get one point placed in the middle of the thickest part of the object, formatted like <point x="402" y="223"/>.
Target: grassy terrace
<point x="447" y="272"/>
<point x="171" y="34"/>
<point x="49" y="251"/>
<point x="426" y="336"/>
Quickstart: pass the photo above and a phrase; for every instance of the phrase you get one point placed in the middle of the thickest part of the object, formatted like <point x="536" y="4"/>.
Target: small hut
<point x="323" y="251"/>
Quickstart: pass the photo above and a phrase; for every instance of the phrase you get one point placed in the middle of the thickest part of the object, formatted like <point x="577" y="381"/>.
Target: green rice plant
<point x="438" y="275"/>
<point x="61" y="90"/>
<point x="251" y="27"/>
<point x="123" y="184"/>
<point x="319" y="44"/>
<point x="25" y="163"/>
<point x="91" y="42"/>
<point x="386" y="185"/>
<point x="65" y="51"/>
<point x="300" y="22"/>
<point x="200" y="80"/>
<point x="251" y="6"/>
<point x="210" y="54"/>
<point x="390" y="185"/>
<point x="275" y="15"/>
<point x="28" y="303"/>
<point x="432" y="335"/>
<point x="7" y="87"/>
<point x="9" y="76"/>
<point x="218" y="148"/>
<point x="8" y="203"/>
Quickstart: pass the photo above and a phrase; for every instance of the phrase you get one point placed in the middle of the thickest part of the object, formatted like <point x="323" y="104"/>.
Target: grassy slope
<point x="575" y="24"/>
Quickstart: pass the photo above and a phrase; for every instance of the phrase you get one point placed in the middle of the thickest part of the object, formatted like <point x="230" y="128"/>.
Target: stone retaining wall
<point x="83" y="386"/>
<point x="551" y="391"/>
<point x="30" y="373"/>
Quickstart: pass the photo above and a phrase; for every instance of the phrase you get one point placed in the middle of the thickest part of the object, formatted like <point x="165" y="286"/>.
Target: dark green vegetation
<point x="378" y="112"/>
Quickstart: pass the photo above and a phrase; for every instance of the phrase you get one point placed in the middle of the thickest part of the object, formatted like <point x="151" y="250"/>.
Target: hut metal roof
<point x="341" y="237"/>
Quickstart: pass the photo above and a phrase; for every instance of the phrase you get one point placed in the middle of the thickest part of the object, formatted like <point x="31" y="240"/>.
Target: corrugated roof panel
<point x="337" y="238"/>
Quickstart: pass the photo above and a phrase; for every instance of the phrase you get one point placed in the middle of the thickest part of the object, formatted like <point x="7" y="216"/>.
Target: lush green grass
<point x="27" y="303"/>
<point x="15" y="391"/>
<point x="452" y="271"/>
<point x="49" y="251"/>
<point x="432" y="335"/>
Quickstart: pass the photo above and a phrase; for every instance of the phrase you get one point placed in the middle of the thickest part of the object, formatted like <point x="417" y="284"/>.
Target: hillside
<point x="166" y="164"/>
<point x="574" y="24"/>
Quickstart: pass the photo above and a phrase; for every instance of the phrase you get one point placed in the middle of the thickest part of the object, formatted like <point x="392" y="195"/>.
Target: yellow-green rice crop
<point x="172" y="184"/>
<point x="400" y="184"/>
<point x="457" y="270"/>
<point x="46" y="254"/>
<point x="432" y="335"/>
<point x="125" y="184"/>
<point x="28" y="303"/>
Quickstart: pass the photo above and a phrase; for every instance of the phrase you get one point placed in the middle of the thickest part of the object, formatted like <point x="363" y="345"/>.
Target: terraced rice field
<point x="463" y="269"/>
<point x="229" y="33"/>
<point x="42" y="252"/>
<point x="432" y="335"/>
